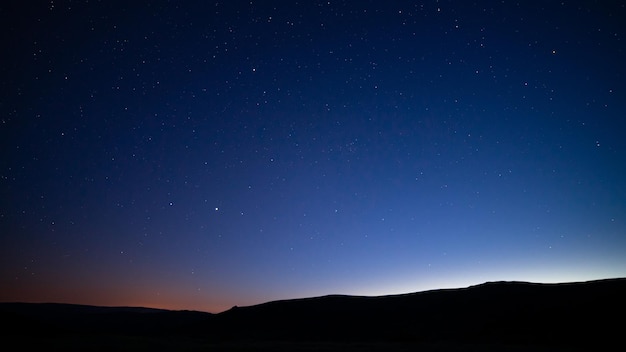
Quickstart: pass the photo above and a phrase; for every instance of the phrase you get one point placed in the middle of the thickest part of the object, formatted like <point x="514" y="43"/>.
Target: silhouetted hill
<point x="502" y="313"/>
<point x="56" y="318"/>
<point x="507" y="312"/>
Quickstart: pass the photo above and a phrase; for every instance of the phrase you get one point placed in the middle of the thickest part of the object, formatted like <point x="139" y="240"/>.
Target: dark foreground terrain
<point x="498" y="316"/>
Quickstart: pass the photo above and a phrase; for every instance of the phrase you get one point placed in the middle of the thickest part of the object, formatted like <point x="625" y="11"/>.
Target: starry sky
<point x="200" y="155"/>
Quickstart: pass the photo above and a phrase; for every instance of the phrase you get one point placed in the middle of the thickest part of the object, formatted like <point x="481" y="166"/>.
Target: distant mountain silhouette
<point x="508" y="312"/>
<point x="57" y="318"/>
<point x="505" y="313"/>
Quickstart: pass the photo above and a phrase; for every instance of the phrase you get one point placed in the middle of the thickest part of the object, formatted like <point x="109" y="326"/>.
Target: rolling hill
<point x="567" y="315"/>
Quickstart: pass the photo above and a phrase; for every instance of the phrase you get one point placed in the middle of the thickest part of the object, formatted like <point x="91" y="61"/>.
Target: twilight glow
<point x="202" y="155"/>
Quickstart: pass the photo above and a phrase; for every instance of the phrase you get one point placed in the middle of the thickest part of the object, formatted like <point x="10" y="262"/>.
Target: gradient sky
<point x="200" y="155"/>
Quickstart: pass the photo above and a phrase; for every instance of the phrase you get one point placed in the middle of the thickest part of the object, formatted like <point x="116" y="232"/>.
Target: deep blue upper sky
<point x="200" y="155"/>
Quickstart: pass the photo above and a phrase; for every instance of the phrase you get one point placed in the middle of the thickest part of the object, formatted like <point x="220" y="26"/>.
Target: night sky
<point x="200" y="155"/>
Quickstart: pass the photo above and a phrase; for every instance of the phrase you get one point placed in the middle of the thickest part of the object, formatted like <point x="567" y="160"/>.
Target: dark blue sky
<point x="200" y="155"/>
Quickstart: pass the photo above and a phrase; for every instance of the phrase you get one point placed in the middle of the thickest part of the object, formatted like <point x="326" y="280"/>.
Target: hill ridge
<point x="572" y="313"/>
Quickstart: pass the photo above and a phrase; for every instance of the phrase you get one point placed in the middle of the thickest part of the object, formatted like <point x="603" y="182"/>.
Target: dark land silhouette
<point x="492" y="316"/>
